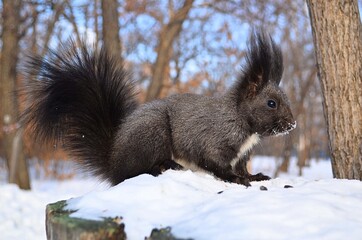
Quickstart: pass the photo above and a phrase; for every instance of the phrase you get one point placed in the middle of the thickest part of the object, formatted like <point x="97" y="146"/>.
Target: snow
<point x="199" y="206"/>
<point x="22" y="213"/>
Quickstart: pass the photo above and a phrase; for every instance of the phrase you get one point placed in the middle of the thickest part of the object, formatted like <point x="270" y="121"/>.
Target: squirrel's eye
<point x="272" y="104"/>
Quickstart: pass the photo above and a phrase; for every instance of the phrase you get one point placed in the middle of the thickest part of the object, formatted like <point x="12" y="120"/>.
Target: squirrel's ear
<point x="264" y="63"/>
<point x="254" y="83"/>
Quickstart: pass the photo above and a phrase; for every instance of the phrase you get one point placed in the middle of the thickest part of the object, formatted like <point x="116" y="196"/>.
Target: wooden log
<point x="60" y="225"/>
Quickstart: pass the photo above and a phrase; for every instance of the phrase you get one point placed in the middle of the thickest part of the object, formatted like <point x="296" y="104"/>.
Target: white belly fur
<point x="248" y="144"/>
<point x="189" y="165"/>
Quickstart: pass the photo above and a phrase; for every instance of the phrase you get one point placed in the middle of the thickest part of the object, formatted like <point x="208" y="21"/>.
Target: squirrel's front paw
<point x="258" y="177"/>
<point x="242" y="180"/>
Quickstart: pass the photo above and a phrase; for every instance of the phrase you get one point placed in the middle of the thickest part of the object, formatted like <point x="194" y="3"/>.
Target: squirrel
<point x="83" y="98"/>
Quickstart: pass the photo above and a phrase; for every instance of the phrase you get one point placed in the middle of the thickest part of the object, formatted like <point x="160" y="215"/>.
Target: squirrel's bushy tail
<point x="78" y="98"/>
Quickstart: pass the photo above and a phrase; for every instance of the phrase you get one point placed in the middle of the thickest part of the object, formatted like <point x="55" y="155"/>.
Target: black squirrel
<point x="83" y="98"/>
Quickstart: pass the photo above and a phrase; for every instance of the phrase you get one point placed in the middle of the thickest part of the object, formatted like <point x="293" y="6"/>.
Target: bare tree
<point x="110" y="26"/>
<point x="13" y="144"/>
<point x="300" y="73"/>
<point x="58" y="10"/>
<point x="337" y="37"/>
<point x="70" y="16"/>
<point x="95" y="16"/>
<point x="167" y="37"/>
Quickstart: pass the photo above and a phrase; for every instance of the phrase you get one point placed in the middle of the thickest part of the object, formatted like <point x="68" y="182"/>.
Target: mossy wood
<point x="60" y="225"/>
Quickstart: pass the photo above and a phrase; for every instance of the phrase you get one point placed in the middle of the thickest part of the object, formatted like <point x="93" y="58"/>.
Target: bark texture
<point x="110" y="26"/>
<point x="168" y="35"/>
<point x="336" y="27"/>
<point x="12" y="134"/>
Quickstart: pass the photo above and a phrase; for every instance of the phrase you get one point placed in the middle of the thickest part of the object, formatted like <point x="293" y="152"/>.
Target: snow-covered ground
<point x="197" y="205"/>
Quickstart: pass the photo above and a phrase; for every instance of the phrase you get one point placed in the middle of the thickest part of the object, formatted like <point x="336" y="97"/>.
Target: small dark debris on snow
<point x="220" y="192"/>
<point x="288" y="186"/>
<point x="263" y="188"/>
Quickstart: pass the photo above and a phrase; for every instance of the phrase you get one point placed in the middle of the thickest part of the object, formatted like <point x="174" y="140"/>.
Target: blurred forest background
<point x="169" y="47"/>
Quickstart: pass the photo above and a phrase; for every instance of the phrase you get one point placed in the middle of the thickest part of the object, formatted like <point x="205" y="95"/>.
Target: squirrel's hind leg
<point x="168" y="164"/>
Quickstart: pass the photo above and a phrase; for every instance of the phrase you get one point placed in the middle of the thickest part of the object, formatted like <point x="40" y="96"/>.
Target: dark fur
<point x="85" y="99"/>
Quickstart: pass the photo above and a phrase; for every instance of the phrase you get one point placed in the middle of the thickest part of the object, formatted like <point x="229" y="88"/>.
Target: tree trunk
<point x="95" y="16"/>
<point x="287" y="153"/>
<point x="303" y="141"/>
<point x="336" y="27"/>
<point x="110" y="27"/>
<point x="168" y="35"/>
<point x="13" y="144"/>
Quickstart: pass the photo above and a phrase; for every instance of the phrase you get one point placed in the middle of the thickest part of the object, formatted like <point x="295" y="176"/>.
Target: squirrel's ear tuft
<point x="277" y="68"/>
<point x="264" y="63"/>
